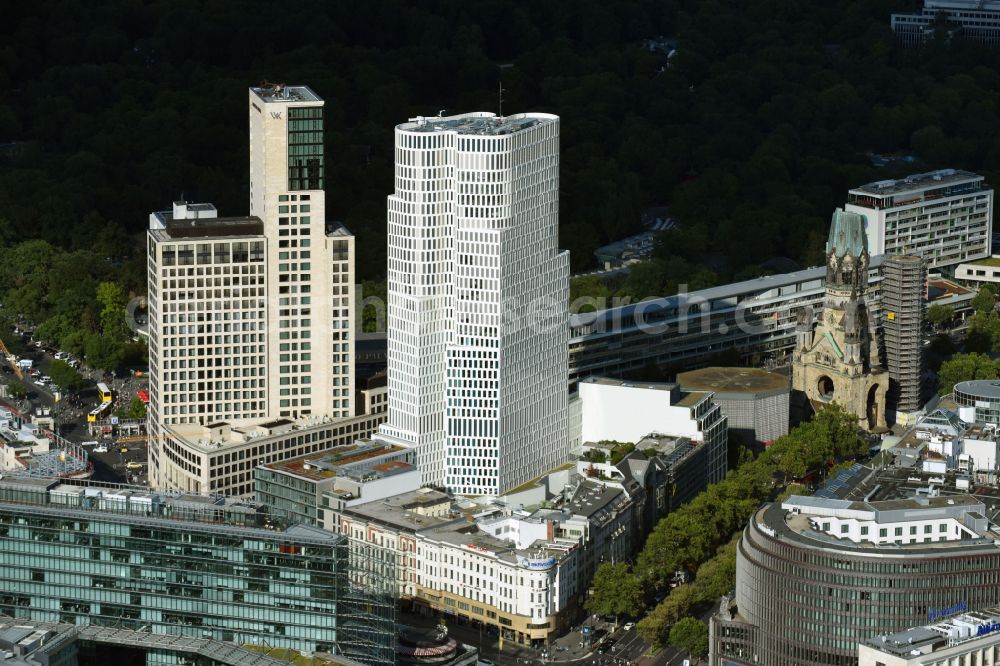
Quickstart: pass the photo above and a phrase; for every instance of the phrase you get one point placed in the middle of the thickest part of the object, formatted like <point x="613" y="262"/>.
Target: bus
<point x="99" y="413"/>
<point x="103" y="392"/>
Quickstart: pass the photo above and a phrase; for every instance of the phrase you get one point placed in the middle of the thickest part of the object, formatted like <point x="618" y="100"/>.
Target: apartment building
<point x="943" y="216"/>
<point x="974" y="20"/>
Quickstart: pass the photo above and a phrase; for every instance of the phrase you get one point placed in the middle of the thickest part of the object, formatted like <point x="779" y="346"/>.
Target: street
<point x="628" y="647"/>
<point x="71" y="411"/>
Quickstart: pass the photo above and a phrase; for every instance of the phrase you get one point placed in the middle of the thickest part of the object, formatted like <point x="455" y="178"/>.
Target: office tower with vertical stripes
<point x="477" y="306"/>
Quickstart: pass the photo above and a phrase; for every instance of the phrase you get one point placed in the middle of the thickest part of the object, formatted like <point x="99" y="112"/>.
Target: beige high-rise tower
<point x="311" y="267"/>
<point x="251" y="319"/>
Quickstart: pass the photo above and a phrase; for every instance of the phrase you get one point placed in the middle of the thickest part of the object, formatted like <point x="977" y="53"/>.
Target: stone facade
<point x="837" y="359"/>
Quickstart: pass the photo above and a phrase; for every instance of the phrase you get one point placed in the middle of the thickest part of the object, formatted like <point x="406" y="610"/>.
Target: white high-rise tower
<point x="477" y="300"/>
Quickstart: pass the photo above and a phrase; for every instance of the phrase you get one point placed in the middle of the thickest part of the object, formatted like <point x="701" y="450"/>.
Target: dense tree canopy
<point x="616" y="592"/>
<point x="963" y="367"/>
<point x="691" y="635"/>
<point x="751" y="131"/>
<point x="700" y="537"/>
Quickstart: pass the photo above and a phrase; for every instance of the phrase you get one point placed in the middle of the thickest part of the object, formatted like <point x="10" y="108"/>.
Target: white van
<point x="101" y="449"/>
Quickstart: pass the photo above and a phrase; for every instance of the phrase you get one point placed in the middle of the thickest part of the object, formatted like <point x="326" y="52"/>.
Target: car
<point x="90" y="443"/>
<point x="124" y="449"/>
<point x="62" y="356"/>
<point x="100" y="449"/>
<point x="629" y="626"/>
<point x="133" y="465"/>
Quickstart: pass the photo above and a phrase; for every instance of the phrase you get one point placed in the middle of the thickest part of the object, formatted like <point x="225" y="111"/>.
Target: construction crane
<point x="10" y="359"/>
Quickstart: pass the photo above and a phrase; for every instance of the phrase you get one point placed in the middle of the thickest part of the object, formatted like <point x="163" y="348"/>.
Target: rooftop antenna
<point x="500" y="95"/>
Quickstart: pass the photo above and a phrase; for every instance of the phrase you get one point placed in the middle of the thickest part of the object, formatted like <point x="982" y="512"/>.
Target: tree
<point x="616" y="591"/>
<point x="111" y="296"/>
<point x="593" y="292"/>
<point x="690" y="634"/>
<point x="15" y="390"/>
<point x="963" y="367"/>
<point x="676" y="605"/>
<point x="136" y="410"/>
<point x="65" y="376"/>
<point x="103" y="352"/>
<point x="984" y="301"/>
<point x="938" y="314"/>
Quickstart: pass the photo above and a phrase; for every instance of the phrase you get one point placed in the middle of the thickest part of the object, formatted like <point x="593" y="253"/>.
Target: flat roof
<point x="478" y="123"/>
<point x="942" y="634"/>
<point x="209" y="227"/>
<point x="733" y="290"/>
<point x="983" y="388"/>
<point x="336" y="461"/>
<point x="733" y="380"/>
<point x="625" y="383"/>
<point x="988" y="261"/>
<point x="281" y="93"/>
<point x="917" y="181"/>
<point x="396" y="511"/>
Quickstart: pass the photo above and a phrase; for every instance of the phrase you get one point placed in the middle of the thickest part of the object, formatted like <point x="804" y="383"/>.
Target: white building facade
<point x="617" y="410"/>
<point x="944" y="216"/>
<point x="477" y="288"/>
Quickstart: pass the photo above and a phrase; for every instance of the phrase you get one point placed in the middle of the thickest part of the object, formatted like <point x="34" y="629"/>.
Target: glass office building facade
<point x="983" y="395"/>
<point x="127" y="566"/>
<point x="806" y="598"/>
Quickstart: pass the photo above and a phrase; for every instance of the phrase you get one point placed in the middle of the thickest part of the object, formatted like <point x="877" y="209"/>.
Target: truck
<point x="25" y="363"/>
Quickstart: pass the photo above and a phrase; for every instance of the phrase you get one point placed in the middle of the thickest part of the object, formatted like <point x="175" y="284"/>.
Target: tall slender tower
<point x="904" y="289"/>
<point x="478" y="300"/>
<point x="311" y="266"/>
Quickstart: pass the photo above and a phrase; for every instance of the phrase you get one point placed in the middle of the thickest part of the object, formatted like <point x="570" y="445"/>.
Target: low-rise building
<point x="365" y="471"/>
<point x="186" y="565"/>
<point x="754" y="401"/>
<point x="514" y="575"/>
<point x="974" y="20"/>
<point x="969" y="638"/>
<point x="756" y="318"/>
<point x="622" y="411"/>
<point x="815" y="577"/>
<point x="976" y="273"/>
<point x="221" y="457"/>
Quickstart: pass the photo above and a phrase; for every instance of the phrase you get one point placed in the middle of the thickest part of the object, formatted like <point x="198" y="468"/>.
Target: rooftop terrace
<point x="280" y="93"/>
<point x="479" y="123"/>
<point x="917" y="181"/>
<point x="733" y="380"/>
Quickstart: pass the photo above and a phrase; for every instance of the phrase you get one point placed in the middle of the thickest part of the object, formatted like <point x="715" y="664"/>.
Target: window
<point x="864" y="530"/>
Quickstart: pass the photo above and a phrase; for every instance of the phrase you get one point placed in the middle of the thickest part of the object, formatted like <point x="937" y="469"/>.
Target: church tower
<point x="838" y="360"/>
